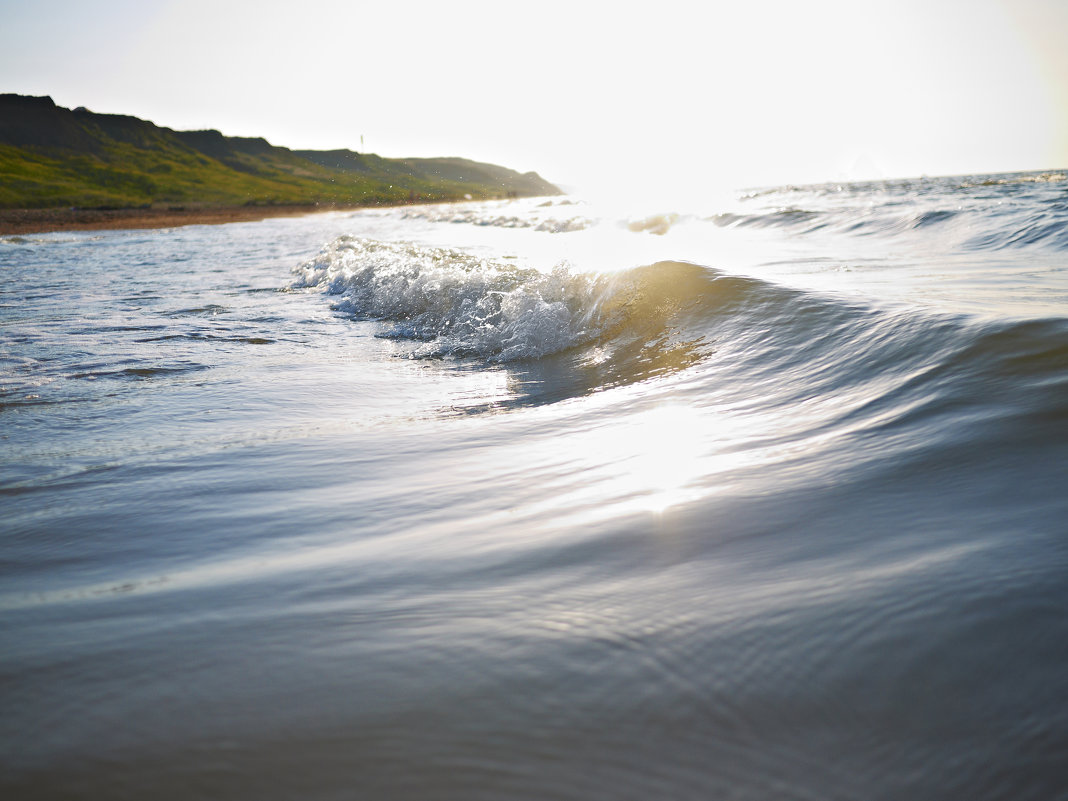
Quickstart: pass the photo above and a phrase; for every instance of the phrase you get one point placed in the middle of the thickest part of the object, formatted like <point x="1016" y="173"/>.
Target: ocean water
<point x="759" y="498"/>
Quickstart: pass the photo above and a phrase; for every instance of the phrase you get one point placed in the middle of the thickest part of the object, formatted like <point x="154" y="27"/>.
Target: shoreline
<point x="42" y="221"/>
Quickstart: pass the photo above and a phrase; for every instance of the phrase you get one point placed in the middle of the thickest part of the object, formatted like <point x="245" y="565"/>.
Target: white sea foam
<point x="456" y="303"/>
<point x="501" y="216"/>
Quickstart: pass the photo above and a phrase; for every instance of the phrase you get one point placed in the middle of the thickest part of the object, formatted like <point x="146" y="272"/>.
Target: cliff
<point x="52" y="157"/>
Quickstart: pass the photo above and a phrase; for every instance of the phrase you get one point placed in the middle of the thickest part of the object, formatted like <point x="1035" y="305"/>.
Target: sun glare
<point x="667" y="457"/>
<point x="656" y="460"/>
<point x="688" y="99"/>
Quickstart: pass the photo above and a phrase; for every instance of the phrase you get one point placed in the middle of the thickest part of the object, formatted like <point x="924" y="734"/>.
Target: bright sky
<point x="632" y="97"/>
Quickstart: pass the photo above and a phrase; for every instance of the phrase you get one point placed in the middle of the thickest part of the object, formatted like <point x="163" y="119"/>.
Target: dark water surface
<point x="541" y="500"/>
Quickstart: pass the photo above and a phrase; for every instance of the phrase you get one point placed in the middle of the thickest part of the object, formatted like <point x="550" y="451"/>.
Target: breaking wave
<point x="457" y="304"/>
<point x="594" y="331"/>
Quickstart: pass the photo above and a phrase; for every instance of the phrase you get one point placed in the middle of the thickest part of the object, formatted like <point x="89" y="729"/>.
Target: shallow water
<point x="543" y="499"/>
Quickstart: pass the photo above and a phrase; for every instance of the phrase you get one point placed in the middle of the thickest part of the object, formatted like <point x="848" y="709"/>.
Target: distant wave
<point x="658" y="224"/>
<point x="975" y="230"/>
<point x="499" y="216"/>
<point x="976" y="213"/>
<point x="1054" y="176"/>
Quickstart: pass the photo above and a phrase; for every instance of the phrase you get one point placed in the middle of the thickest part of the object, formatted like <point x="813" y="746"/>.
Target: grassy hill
<point x="52" y="157"/>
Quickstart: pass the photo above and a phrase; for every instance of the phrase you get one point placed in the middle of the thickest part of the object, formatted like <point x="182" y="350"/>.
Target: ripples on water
<point x="540" y="500"/>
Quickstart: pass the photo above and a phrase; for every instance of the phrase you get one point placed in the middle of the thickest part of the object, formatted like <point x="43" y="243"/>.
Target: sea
<point x="759" y="496"/>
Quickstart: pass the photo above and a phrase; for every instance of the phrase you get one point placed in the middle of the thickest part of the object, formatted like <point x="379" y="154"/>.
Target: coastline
<point x="39" y="221"/>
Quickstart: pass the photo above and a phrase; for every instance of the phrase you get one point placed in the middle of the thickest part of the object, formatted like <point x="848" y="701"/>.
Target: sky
<point x="620" y="97"/>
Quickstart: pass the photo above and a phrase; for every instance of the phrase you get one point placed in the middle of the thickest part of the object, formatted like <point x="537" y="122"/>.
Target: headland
<point x="63" y="169"/>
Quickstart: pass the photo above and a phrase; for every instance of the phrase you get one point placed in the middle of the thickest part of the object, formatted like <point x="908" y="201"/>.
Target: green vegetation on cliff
<point x="53" y="157"/>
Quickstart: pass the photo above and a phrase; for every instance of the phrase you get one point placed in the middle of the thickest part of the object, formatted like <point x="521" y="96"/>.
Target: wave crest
<point x="456" y="304"/>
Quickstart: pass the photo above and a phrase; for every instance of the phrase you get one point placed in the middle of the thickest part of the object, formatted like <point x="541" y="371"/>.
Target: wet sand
<point x="32" y="221"/>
